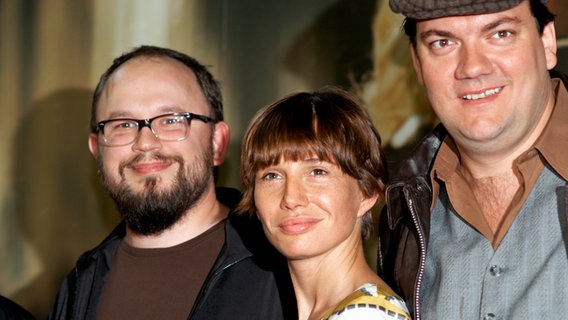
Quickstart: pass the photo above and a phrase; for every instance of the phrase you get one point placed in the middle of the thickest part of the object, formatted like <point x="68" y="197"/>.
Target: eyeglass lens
<point x="125" y="131"/>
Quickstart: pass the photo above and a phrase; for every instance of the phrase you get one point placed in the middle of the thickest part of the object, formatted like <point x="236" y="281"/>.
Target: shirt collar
<point x="553" y="142"/>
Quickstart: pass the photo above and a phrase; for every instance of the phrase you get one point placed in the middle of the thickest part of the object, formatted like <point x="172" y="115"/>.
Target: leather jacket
<point x="404" y="225"/>
<point x="405" y="222"/>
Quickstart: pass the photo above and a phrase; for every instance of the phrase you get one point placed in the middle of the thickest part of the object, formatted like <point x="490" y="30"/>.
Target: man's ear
<point x="93" y="144"/>
<point x="549" y="42"/>
<point x="416" y="64"/>
<point x="221" y="137"/>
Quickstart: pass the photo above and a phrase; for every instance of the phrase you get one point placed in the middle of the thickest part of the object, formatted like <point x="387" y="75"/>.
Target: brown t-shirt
<point x="159" y="283"/>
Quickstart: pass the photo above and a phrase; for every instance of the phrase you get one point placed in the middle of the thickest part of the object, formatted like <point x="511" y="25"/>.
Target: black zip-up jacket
<point x="249" y="279"/>
<point x="405" y="224"/>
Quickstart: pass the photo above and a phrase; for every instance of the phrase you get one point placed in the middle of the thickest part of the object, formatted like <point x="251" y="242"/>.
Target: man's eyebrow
<point x="437" y="33"/>
<point x="119" y="114"/>
<point x="497" y="23"/>
<point x="490" y="26"/>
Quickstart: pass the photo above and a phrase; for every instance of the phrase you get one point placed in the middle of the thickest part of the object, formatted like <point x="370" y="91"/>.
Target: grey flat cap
<point x="430" y="9"/>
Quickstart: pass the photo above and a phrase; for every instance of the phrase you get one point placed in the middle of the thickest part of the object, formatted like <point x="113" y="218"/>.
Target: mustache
<point x="147" y="157"/>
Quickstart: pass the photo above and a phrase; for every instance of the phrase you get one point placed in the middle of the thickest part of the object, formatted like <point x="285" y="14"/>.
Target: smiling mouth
<point x="150" y="168"/>
<point x="484" y="94"/>
<point x="297" y="225"/>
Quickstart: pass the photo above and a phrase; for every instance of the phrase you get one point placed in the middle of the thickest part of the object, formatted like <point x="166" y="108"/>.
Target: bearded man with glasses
<point x="158" y="134"/>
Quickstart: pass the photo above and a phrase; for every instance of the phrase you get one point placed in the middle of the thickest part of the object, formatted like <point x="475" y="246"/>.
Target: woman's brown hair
<point x="331" y="124"/>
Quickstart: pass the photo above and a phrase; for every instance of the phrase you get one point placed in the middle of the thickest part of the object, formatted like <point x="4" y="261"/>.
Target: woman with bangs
<point x="312" y="169"/>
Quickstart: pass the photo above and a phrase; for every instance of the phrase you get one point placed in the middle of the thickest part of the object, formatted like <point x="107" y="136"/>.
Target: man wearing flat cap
<point x="476" y="225"/>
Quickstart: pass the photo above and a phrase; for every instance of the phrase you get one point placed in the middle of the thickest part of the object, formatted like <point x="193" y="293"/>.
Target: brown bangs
<point x="294" y="132"/>
<point x="329" y="124"/>
<point x="279" y="144"/>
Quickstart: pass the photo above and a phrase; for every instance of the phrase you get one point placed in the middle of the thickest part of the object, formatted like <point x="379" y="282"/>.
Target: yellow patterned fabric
<point x="370" y="301"/>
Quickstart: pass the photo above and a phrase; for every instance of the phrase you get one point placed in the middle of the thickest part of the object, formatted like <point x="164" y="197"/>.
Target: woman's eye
<point x="270" y="176"/>
<point x="318" y="172"/>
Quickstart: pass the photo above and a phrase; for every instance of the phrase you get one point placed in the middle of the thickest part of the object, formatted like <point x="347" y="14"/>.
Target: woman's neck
<point x="320" y="283"/>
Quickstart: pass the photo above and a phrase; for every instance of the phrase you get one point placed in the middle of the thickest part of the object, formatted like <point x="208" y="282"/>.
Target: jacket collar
<point x="420" y="160"/>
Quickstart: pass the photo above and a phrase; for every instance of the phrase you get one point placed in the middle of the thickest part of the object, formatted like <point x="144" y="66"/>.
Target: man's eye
<point x="171" y="121"/>
<point x="503" y="34"/>
<point x="123" y="125"/>
<point x="442" y="43"/>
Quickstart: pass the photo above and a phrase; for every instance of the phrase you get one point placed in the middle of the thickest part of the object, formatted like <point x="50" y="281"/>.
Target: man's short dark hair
<point x="205" y="79"/>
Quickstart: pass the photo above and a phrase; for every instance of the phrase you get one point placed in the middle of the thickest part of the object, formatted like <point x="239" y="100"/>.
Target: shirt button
<point x="495" y="271"/>
<point x="489" y="316"/>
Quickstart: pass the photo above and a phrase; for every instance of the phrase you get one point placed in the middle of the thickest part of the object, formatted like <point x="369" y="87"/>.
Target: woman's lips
<point x="298" y="225"/>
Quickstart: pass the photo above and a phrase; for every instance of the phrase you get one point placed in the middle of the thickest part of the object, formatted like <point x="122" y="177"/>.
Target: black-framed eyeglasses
<point x="166" y="127"/>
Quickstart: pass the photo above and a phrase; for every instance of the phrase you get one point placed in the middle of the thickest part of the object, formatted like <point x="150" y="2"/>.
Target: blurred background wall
<point x="52" y="52"/>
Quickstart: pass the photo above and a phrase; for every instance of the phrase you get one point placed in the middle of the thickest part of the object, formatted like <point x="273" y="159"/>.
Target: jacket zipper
<point x="209" y="284"/>
<point x="422" y="257"/>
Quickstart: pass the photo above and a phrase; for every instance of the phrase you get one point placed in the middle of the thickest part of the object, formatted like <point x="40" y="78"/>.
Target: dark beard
<point x="152" y="211"/>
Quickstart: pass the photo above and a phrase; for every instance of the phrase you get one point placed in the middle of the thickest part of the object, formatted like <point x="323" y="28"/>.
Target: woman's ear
<point x="367" y="203"/>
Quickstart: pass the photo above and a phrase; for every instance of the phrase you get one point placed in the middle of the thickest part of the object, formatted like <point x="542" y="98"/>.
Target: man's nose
<point x="146" y="140"/>
<point x="473" y="62"/>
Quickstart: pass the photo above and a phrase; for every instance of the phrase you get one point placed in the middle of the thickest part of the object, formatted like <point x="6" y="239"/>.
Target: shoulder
<point x="244" y="234"/>
<point x="370" y="301"/>
<point x="106" y="248"/>
<point x="228" y="196"/>
<point x="11" y="310"/>
<point x="102" y="253"/>
<point x="91" y="267"/>
<point x="420" y="158"/>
